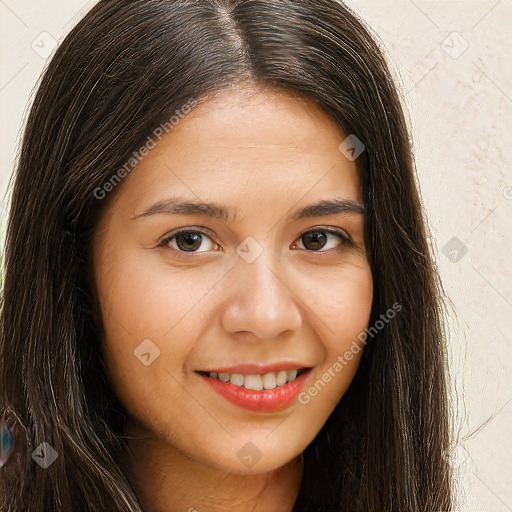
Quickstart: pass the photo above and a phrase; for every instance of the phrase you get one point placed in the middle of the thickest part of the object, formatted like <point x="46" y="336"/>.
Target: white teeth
<point x="292" y="375"/>
<point x="237" y="379"/>
<point x="281" y="378"/>
<point x="253" y="382"/>
<point x="270" y="380"/>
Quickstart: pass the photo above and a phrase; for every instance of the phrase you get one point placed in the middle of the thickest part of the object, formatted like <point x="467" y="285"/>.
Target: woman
<point x="262" y="371"/>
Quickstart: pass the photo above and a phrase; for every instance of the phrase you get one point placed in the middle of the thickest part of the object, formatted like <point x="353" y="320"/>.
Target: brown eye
<point x="314" y="240"/>
<point x="318" y="238"/>
<point x="188" y="241"/>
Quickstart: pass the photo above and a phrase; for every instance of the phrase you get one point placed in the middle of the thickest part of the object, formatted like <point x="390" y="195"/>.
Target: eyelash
<point x="346" y="241"/>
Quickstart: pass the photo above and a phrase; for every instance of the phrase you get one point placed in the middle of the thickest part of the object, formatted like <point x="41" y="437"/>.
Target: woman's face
<point x="260" y="285"/>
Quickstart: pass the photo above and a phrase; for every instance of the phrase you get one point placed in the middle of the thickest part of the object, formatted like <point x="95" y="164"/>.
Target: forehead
<point x="268" y="117"/>
<point x="246" y="146"/>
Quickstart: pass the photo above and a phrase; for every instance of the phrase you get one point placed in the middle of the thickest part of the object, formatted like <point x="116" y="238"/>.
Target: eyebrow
<point x="176" y="206"/>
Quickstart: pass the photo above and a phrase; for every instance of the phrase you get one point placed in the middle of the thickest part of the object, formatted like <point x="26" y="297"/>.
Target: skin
<point x="262" y="153"/>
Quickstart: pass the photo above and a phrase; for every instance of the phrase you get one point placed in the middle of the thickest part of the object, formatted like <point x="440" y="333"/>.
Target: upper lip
<point x="258" y="369"/>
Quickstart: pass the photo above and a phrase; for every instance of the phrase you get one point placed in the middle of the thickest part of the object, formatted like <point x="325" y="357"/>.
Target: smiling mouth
<point x="268" y="381"/>
<point x="268" y="393"/>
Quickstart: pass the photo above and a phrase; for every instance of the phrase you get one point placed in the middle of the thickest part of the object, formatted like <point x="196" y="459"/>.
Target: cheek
<point x="132" y="313"/>
<point x="141" y="302"/>
<point x="141" y="299"/>
<point x="342" y="300"/>
<point x="343" y="305"/>
<point x="352" y="302"/>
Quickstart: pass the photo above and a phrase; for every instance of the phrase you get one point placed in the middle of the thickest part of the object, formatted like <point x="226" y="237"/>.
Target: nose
<point x="260" y="300"/>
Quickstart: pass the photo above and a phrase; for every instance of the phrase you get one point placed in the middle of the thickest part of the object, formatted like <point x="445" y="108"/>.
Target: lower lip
<point x="266" y="400"/>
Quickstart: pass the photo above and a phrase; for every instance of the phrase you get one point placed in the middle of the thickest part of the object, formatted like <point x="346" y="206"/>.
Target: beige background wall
<point x="452" y="60"/>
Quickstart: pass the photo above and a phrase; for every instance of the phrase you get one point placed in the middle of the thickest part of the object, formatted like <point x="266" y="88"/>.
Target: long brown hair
<point x="125" y="69"/>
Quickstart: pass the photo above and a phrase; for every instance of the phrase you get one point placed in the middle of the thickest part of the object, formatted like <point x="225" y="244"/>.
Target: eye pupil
<point x="190" y="238"/>
<point x="314" y="236"/>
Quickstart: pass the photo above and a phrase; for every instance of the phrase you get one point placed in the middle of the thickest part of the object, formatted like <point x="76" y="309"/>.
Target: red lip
<point x="266" y="400"/>
<point x="258" y="369"/>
